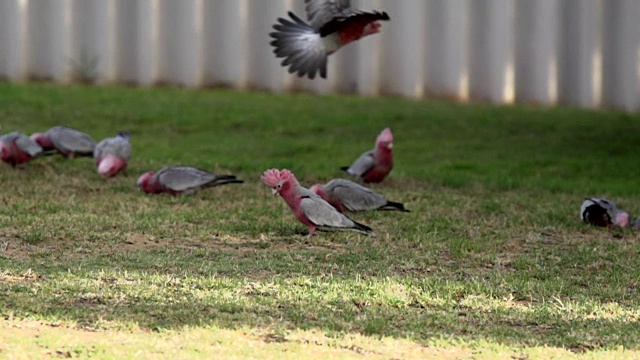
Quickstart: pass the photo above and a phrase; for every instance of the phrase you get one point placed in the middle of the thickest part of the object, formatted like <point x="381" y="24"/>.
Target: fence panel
<point x="578" y="52"/>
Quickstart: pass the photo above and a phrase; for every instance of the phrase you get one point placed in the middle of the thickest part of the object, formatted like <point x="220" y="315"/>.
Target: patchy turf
<point x="491" y="262"/>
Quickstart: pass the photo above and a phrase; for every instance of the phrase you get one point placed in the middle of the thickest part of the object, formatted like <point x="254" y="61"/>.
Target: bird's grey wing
<point x="323" y="214"/>
<point x="28" y="145"/>
<point x="363" y="164"/>
<point x="356" y="197"/>
<point x="68" y="139"/>
<point x="181" y="178"/>
<point x="320" y="12"/>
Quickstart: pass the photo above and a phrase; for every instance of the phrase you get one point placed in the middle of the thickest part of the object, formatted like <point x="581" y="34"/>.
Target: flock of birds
<point x="320" y="207"/>
<point x="305" y="48"/>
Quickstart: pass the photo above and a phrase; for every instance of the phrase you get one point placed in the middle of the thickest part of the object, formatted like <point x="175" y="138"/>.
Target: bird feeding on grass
<point x="309" y="208"/>
<point x="68" y="141"/>
<point x="374" y="165"/>
<point x="603" y="213"/>
<point x="332" y="25"/>
<point x="17" y="148"/>
<point x="112" y="154"/>
<point x="345" y="195"/>
<point x="179" y="180"/>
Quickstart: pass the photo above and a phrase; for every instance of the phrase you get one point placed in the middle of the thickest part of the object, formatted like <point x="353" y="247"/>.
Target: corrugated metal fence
<point x="579" y="52"/>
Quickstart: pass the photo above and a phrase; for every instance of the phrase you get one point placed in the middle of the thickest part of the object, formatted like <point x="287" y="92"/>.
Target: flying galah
<point x="332" y="25"/>
<point x="68" y="141"/>
<point x="112" y="154"/>
<point x="17" y="148"/>
<point x="309" y="208"/>
<point x="345" y="195"/>
<point x="374" y="165"/>
<point x="604" y="213"/>
<point x="178" y="180"/>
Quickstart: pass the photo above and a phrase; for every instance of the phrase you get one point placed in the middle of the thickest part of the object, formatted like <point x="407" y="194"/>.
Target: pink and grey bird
<point x="374" y="165"/>
<point x="603" y="213"/>
<point x="17" y="148"/>
<point x="112" y="154"/>
<point x="309" y="208"/>
<point x="182" y="180"/>
<point x="68" y="141"/>
<point x="345" y="195"/>
<point x="332" y="25"/>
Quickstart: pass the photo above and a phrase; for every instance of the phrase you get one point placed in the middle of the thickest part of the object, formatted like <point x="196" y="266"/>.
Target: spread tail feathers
<point x="301" y="47"/>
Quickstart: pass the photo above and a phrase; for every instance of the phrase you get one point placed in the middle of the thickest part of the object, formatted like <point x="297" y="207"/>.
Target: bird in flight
<point x="332" y="25"/>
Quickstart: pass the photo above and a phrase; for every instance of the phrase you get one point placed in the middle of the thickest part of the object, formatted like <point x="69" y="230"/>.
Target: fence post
<point x="536" y="45"/>
<point x="12" y="39"/>
<point x="225" y="43"/>
<point x="491" y="59"/>
<point x="447" y="49"/>
<point x="136" y="37"/>
<point x="580" y="65"/>
<point x="180" y="42"/>
<point x="265" y="71"/>
<point x="92" y="40"/>
<point x="402" y="51"/>
<point x="48" y="40"/>
<point x="621" y="54"/>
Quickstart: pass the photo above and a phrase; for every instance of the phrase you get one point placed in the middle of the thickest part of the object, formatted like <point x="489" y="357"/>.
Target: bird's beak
<point x="390" y="146"/>
<point x="274" y="191"/>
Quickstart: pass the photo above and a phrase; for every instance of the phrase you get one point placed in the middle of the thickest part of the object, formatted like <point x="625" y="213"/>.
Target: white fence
<point x="579" y="52"/>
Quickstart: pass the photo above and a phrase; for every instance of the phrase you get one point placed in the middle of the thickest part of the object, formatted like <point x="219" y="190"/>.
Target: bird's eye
<point x="279" y="186"/>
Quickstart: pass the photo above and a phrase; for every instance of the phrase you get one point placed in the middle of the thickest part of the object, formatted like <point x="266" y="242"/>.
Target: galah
<point x="309" y="208"/>
<point x="112" y="154"/>
<point x="603" y="213"/>
<point x="374" y="165"/>
<point x="17" y="148"/>
<point x="68" y="141"/>
<point x="345" y="195"/>
<point x="332" y="25"/>
<point x="179" y="180"/>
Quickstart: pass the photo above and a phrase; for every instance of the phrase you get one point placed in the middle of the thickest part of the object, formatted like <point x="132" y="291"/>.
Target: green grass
<point x="491" y="262"/>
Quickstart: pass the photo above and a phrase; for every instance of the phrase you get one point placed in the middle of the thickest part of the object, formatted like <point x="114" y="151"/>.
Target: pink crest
<point x="385" y="136"/>
<point x="273" y="177"/>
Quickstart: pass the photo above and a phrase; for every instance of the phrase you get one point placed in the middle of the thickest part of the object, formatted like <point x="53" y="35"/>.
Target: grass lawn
<point x="492" y="262"/>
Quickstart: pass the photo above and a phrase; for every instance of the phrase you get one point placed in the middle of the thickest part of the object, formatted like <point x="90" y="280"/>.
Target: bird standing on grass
<point x="345" y="195"/>
<point x="17" y="148"/>
<point x="178" y="180"/>
<point x="374" y="165"/>
<point x="603" y="213"/>
<point x="68" y="141"/>
<point x="112" y="154"/>
<point x="332" y="25"/>
<point x="309" y="208"/>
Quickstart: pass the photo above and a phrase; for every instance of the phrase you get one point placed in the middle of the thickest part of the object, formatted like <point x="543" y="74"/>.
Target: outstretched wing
<point x="321" y="12"/>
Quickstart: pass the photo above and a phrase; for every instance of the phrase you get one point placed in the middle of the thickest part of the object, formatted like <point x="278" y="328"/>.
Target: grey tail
<point x="390" y="205"/>
<point x="344" y="168"/>
<point x="48" y="153"/>
<point x="225" y="179"/>
<point x="361" y="228"/>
